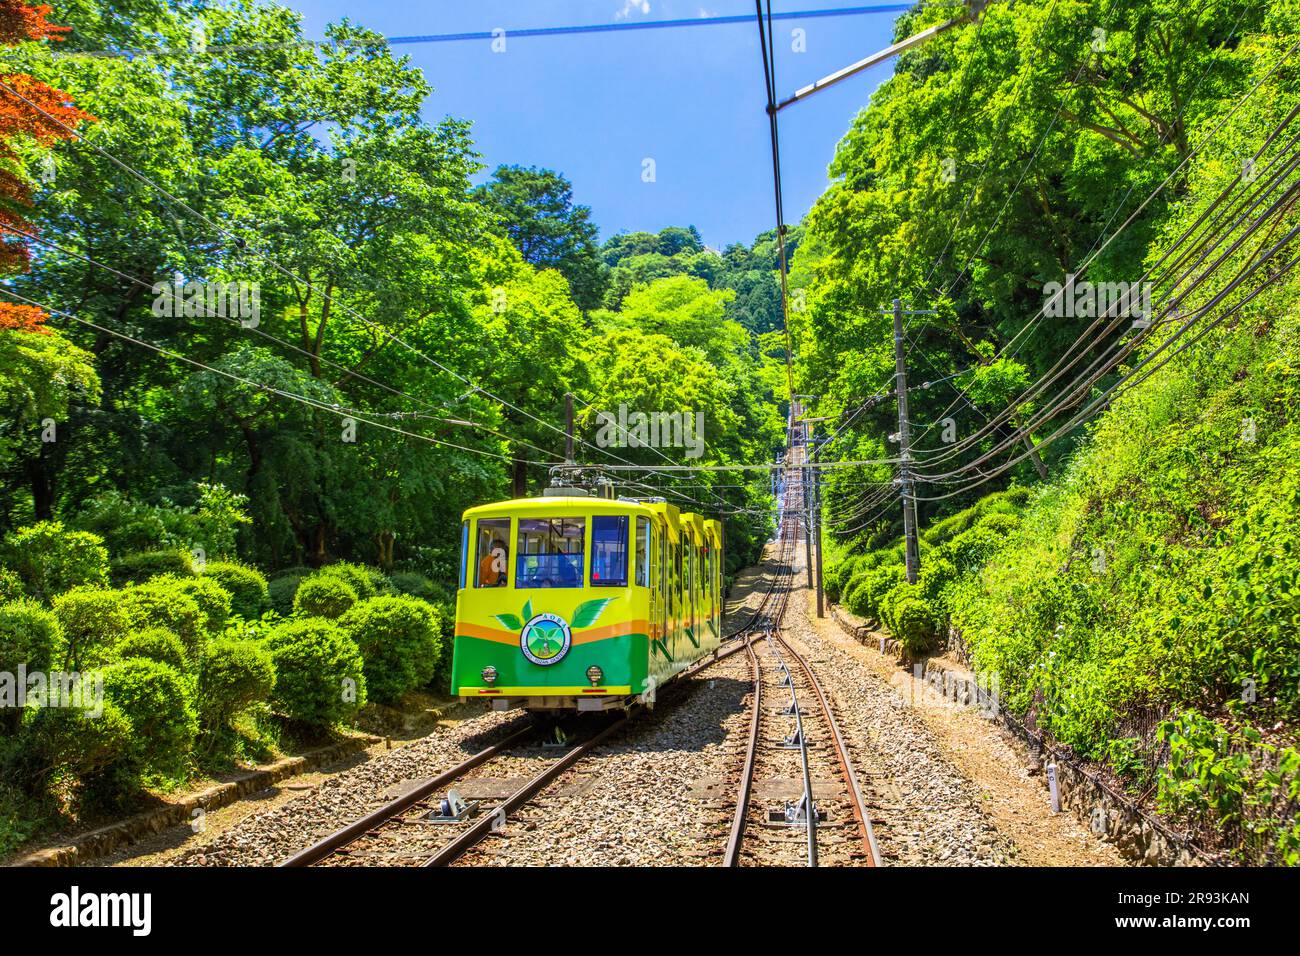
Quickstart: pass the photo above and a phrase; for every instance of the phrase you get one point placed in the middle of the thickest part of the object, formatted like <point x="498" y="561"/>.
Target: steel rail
<point x="341" y="838"/>
<point x="860" y="812"/>
<point x="731" y="854"/>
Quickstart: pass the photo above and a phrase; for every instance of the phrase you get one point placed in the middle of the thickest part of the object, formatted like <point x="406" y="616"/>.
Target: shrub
<point x="855" y="597"/>
<point x="399" y="641"/>
<point x="147" y="565"/>
<point x="235" y="674"/>
<point x="11" y="586"/>
<point x="324" y="595"/>
<point x="213" y="600"/>
<point x="1000" y="523"/>
<point x="297" y="571"/>
<point x="876" y="583"/>
<point x="936" y="574"/>
<point x="246" y="586"/>
<point x="910" y="618"/>
<point x="76" y="741"/>
<point x="29" y="635"/>
<point x="319" y="676"/>
<point x="93" y="621"/>
<point x="51" y="559"/>
<point x="163" y="604"/>
<point x="155" y="698"/>
<point x="127" y="526"/>
<point x="972" y="548"/>
<point x="357" y="576"/>
<point x="281" y="592"/>
<point x="156" y="644"/>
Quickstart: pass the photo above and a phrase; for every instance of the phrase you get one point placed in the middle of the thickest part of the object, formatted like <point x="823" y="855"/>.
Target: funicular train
<point x="575" y="601"/>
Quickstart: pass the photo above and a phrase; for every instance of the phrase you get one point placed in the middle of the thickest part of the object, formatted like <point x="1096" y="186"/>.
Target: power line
<point x="1088" y="260"/>
<point x="348" y="372"/>
<point x="502" y="33"/>
<point x="345" y="413"/>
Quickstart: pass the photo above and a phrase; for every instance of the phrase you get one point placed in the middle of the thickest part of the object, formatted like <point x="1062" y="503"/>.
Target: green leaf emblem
<point x="589" y="612"/>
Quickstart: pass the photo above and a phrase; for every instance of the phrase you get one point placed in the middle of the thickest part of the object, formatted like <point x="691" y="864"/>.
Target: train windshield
<point x="549" y="553"/>
<point x="609" y="551"/>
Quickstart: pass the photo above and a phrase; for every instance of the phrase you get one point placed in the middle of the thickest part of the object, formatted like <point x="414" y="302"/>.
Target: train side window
<point x="492" y="553"/>
<point x="609" y="551"/>
<point x="549" y="553"/>
<point x="464" y="552"/>
<point x="643" y="552"/>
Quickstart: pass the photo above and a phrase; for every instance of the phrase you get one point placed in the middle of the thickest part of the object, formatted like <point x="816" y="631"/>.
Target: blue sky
<point x="594" y="106"/>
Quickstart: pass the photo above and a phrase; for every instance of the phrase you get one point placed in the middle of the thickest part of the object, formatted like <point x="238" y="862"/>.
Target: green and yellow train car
<point x="582" y="603"/>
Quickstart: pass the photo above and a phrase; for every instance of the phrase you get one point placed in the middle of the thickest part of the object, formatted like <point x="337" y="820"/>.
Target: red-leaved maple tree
<point x="22" y="100"/>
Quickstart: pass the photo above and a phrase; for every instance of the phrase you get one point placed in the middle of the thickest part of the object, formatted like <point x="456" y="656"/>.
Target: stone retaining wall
<point x="95" y="843"/>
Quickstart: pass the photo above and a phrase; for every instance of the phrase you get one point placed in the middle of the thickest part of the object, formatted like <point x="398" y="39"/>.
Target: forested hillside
<point x="1139" y="600"/>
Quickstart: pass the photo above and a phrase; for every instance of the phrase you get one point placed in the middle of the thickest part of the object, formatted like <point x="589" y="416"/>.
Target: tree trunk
<point x="41" y="480"/>
<point x="521" y="479"/>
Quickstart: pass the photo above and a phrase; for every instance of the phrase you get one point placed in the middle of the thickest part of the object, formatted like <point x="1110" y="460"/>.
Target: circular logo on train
<point x="545" y="639"/>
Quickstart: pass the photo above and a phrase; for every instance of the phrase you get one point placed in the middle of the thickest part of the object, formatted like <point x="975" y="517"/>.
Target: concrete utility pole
<point x="905" y="449"/>
<point x="568" y="428"/>
<point x="817" y="537"/>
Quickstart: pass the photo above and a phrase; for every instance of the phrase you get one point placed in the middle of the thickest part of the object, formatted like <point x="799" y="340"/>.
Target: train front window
<point x="492" y="554"/>
<point x="609" y="551"/>
<point x="549" y="552"/>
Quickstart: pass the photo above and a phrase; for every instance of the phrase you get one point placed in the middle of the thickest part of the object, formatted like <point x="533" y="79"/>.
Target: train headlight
<point x="489" y="674"/>
<point x="595" y="675"/>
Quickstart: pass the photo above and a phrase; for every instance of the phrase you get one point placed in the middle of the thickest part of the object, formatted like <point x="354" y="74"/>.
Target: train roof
<point x="516" y="506"/>
<point x="697" y="528"/>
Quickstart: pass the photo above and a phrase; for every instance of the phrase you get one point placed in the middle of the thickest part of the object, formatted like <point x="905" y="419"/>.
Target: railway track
<point x="415" y="829"/>
<point x="808" y="769"/>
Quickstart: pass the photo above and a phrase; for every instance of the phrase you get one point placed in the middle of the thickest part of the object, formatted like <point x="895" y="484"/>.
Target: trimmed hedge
<point x="162" y="604"/>
<point x="324" y="595"/>
<point x="156" y="699"/>
<point x="235" y="675"/>
<point x="356" y="576"/>
<point x="281" y="591"/>
<point x="319" y="673"/>
<point x="30" y="635"/>
<point x="399" y="641"/>
<point x="156" y="644"/>
<point x="93" y="621"/>
<point x="74" y="741"/>
<point x="50" y="559"/>
<point x="213" y="600"/>
<point x="147" y="565"/>
<point x="246" y="587"/>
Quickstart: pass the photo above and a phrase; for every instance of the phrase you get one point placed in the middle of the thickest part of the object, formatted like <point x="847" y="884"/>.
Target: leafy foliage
<point x="400" y="640"/>
<point x="319" y="672"/>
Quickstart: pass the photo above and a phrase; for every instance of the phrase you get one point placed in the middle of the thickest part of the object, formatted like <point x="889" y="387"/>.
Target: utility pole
<point x="568" y="428"/>
<point x="817" y="537"/>
<point x="912" y="550"/>
<point x="807" y="510"/>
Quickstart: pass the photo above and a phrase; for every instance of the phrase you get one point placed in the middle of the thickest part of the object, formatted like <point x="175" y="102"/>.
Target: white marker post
<point x="1051" y="785"/>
